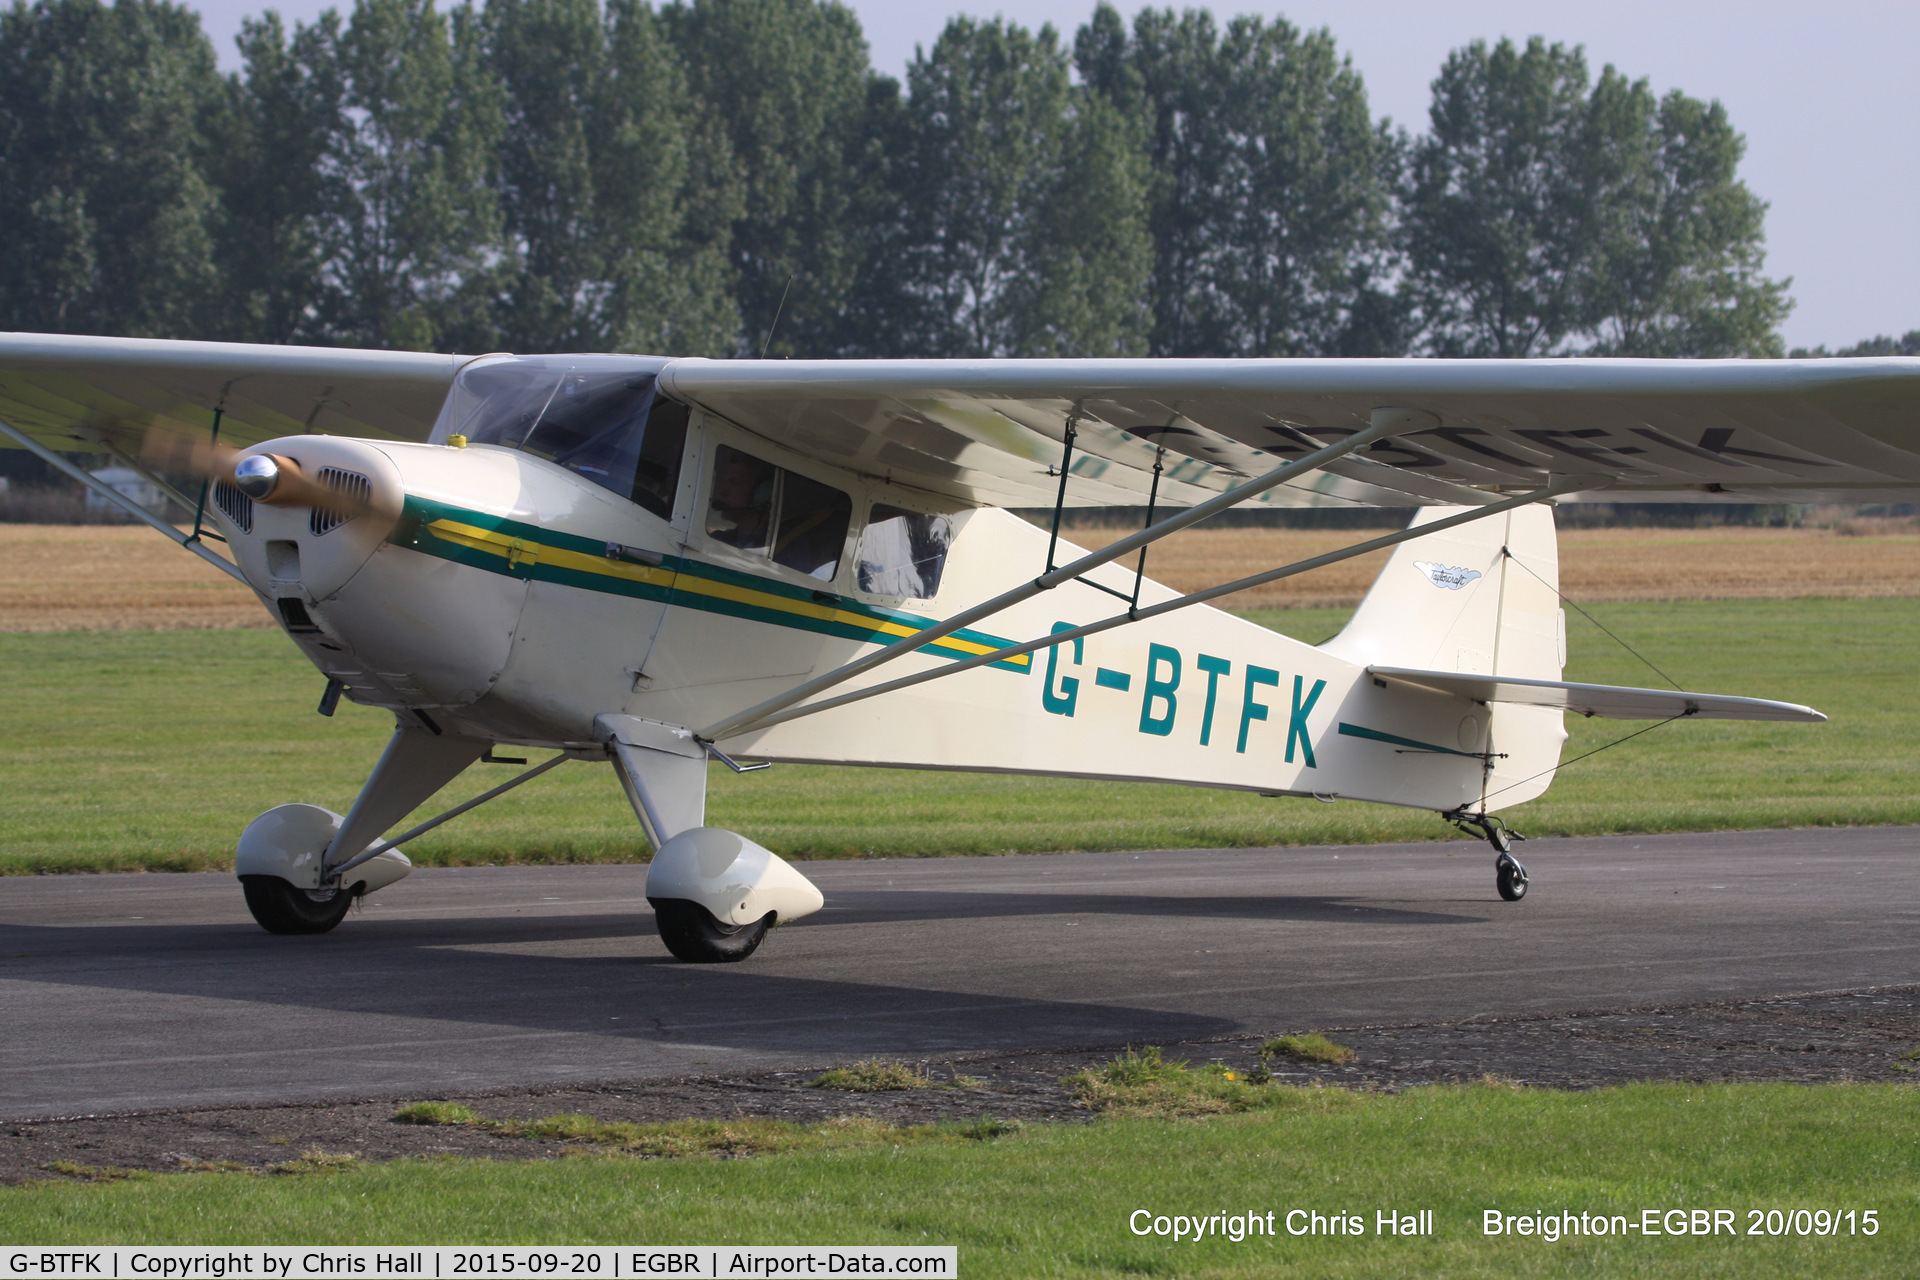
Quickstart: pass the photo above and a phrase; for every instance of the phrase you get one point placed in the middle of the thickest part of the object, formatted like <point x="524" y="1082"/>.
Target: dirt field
<point x="122" y="578"/>
<point x="60" y="577"/>
<point x="1595" y="564"/>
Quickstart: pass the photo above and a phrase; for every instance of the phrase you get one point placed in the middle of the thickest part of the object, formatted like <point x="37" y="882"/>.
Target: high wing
<point x="991" y="431"/>
<point x="75" y="392"/>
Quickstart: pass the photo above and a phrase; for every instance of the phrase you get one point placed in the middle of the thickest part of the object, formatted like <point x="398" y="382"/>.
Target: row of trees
<point x="566" y="174"/>
<point x="1907" y="344"/>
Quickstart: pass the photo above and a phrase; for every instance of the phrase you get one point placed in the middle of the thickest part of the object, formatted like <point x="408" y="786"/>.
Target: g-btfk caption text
<point x="368" y="1262"/>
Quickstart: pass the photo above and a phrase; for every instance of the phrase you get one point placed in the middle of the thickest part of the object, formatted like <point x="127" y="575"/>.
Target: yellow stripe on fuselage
<point x="517" y="551"/>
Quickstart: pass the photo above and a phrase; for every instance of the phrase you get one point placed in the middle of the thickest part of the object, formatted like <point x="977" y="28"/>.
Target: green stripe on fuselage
<point x="1374" y="735"/>
<point x="763" y="600"/>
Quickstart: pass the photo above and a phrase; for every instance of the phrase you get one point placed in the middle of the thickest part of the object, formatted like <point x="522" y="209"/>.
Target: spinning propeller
<point x="271" y="478"/>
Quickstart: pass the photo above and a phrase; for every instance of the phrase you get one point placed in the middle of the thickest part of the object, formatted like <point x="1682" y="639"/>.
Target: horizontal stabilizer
<point x="1614" y="702"/>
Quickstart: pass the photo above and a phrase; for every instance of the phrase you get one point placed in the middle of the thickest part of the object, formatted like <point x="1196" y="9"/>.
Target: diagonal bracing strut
<point x="334" y="873"/>
<point x="1559" y="485"/>
<point x="1385" y="422"/>
<point x="125" y="503"/>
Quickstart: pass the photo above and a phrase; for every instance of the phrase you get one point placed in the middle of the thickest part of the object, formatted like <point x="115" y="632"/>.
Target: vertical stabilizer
<point x="1484" y="598"/>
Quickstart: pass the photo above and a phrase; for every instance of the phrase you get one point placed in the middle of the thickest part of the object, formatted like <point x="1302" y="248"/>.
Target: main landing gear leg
<point x="714" y="893"/>
<point x="1509" y="877"/>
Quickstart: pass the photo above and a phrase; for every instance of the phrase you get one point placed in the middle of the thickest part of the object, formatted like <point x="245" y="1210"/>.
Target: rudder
<point x="1482" y="597"/>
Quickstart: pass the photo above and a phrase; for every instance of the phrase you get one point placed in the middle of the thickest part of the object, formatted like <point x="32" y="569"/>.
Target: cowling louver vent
<point x="354" y="490"/>
<point x="237" y="505"/>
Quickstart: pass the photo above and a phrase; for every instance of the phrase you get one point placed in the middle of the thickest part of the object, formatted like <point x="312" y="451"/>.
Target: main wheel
<point x="281" y="908"/>
<point x="691" y="932"/>
<point x="1511" y="878"/>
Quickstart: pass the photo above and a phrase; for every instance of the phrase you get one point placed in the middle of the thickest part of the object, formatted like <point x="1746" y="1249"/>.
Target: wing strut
<point x="1139" y="570"/>
<point x="1559" y="485"/>
<point x="1386" y="422"/>
<point x="125" y="503"/>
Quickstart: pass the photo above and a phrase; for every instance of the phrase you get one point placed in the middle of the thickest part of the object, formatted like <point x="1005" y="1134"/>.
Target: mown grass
<point x="1054" y="1200"/>
<point x="95" y="1172"/>
<point x="130" y="751"/>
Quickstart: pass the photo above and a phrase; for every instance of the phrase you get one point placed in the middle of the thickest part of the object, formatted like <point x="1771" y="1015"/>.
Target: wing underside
<point x="1657" y="430"/>
<point x="76" y="393"/>
<point x="994" y="432"/>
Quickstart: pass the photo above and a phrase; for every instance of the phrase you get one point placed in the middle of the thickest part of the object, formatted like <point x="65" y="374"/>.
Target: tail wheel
<point x="1511" y="878"/>
<point x="281" y="908"/>
<point x="693" y="934"/>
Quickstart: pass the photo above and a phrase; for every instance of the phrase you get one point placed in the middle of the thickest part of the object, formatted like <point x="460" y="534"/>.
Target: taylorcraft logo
<point x="1446" y="575"/>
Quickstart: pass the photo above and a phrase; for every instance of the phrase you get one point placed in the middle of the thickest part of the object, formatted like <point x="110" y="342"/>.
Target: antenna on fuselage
<point x="776" y="316"/>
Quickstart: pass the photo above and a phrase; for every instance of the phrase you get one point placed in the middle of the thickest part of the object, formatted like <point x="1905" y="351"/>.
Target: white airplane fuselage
<point x="490" y="593"/>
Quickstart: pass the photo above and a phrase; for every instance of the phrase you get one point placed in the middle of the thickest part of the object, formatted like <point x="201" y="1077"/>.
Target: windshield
<point x="596" y="416"/>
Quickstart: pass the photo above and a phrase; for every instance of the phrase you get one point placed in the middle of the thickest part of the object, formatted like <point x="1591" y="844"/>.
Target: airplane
<point x="657" y="562"/>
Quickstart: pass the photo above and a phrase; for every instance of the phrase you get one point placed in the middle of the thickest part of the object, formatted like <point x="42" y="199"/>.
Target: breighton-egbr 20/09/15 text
<point x="1685" y="1222"/>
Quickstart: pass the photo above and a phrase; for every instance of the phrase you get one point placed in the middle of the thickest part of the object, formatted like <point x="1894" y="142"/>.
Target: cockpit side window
<point x="740" y="513"/>
<point x="902" y="553"/>
<point x="607" y="427"/>
<point x="770" y="511"/>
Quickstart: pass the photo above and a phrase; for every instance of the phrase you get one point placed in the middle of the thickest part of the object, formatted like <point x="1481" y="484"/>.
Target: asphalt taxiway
<point x="132" y="992"/>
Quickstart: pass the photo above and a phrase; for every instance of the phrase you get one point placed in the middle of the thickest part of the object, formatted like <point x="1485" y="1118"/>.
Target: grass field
<point x="130" y="750"/>
<point x="1055" y="1200"/>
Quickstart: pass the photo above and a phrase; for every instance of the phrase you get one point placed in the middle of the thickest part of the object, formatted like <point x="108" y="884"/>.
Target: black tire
<point x="1511" y="878"/>
<point x="281" y="908"/>
<point x="692" y="934"/>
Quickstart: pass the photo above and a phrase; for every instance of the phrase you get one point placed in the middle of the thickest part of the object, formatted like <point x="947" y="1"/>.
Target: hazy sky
<point x="1826" y="94"/>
